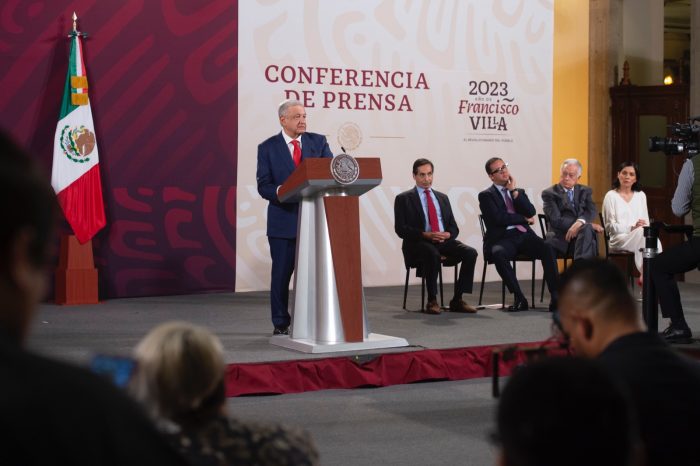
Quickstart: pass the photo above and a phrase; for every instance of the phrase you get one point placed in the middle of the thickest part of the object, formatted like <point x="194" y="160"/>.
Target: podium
<point x="329" y="312"/>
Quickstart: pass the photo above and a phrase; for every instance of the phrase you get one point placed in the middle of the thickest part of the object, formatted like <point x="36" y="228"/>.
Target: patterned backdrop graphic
<point x="455" y="81"/>
<point x="163" y="89"/>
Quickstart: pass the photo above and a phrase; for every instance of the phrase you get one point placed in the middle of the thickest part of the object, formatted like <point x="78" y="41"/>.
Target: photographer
<point x="681" y="258"/>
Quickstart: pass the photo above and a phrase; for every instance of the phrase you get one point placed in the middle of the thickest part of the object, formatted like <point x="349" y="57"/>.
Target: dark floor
<point x="241" y="320"/>
<point x="419" y="424"/>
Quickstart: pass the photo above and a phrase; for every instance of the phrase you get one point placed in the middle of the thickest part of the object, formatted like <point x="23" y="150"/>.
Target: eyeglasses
<point x="500" y="169"/>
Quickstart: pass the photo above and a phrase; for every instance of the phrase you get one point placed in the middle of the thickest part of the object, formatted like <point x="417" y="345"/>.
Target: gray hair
<point x="572" y="162"/>
<point x="282" y="110"/>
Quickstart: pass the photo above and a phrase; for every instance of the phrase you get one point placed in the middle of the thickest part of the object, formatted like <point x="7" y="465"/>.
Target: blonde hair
<point x="180" y="372"/>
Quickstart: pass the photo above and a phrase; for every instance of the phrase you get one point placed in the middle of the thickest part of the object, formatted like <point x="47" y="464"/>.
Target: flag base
<point x="76" y="275"/>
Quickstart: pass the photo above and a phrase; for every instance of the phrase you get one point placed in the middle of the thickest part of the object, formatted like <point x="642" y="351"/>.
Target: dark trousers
<point x="428" y="254"/>
<point x="585" y="244"/>
<point x="513" y="243"/>
<point x="283" y="252"/>
<point x="679" y="259"/>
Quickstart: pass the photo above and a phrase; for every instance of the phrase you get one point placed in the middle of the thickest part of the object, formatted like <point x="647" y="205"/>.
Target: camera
<point x="684" y="139"/>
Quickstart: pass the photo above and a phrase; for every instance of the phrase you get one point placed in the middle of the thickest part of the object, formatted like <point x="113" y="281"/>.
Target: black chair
<point x="518" y="258"/>
<point x="444" y="262"/>
<point x="566" y="256"/>
<point x="612" y="252"/>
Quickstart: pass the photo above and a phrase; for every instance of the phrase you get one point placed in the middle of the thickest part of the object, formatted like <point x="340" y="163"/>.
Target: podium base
<point x="76" y="275"/>
<point x="78" y="286"/>
<point x="373" y="341"/>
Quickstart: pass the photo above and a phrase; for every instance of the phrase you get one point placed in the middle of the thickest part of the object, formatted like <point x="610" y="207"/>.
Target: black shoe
<point x="677" y="334"/>
<point x="281" y="331"/>
<point x="520" y="305"/>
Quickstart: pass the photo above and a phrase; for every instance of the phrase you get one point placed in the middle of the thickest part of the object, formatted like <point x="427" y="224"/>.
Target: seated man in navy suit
<point x="278" y="156"/>
<point x="571" y="211"/>
<point x="508" y="214"/>
<point x="423" y="219"/>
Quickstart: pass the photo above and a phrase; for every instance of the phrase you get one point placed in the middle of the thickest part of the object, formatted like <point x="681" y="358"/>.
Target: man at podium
<point x="423" y="219"/>
<point x="278" y="156"/>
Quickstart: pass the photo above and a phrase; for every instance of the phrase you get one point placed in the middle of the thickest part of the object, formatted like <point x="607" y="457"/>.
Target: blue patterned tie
<point x="570" y="193"/>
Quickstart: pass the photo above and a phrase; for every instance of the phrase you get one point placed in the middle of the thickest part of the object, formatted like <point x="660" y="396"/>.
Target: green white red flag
<point x="76" y="169"/>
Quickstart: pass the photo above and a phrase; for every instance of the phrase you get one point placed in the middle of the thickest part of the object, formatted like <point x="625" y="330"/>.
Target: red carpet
<point x="381" y="371"/>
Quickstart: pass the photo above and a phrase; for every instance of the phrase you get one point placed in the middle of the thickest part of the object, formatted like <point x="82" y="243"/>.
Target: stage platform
<point x="242" y="322"/>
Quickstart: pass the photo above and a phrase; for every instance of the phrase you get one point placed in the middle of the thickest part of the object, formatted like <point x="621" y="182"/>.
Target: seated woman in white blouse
<point x="625" y="212"/>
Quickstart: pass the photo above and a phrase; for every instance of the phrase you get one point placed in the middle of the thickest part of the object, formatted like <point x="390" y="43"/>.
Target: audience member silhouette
<point x="564" y="412"/>
<point x="52" y="412"/>
<point x="180" y="378"/>
<point x="601" y="320"/>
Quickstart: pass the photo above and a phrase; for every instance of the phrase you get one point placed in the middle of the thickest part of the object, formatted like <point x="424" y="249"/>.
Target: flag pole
<point x="76" y="276"/>
<point x="75" y="31"/>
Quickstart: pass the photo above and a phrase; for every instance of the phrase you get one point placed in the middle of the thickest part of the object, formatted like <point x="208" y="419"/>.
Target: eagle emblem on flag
<point x="77" y="143"/>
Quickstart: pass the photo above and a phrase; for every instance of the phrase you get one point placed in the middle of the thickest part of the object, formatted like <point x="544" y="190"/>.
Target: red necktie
<point x="296" y="155"/>
<point x="511" y="209"/>
<point x="432" y="212"/>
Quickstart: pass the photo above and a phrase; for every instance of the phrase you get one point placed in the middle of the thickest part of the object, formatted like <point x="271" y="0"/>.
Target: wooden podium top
<point x="314" y="175"/>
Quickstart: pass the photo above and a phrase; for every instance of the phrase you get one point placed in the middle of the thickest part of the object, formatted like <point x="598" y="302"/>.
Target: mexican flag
<point x="76" y="169"/>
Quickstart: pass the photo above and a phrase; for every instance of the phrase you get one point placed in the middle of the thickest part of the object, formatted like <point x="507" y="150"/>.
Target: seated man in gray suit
<point x="571" y="212"/>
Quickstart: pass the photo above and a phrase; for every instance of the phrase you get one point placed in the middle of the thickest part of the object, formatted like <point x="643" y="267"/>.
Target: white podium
<point x="329" y="312"/>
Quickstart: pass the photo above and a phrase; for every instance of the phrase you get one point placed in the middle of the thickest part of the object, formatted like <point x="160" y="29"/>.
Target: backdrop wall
<point x="454" y="81"/>
<point x="163" y="79"/>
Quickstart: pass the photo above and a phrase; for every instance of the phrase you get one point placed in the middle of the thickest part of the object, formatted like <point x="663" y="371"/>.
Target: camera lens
<point x="657" y="144"/>
<point x="684" y="139"/>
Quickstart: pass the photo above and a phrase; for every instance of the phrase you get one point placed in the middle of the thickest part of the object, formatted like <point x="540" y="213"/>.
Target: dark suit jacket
<point x="54" y="413"/>
<point x="275" y="164"/>
<point x="664" y="387"/>
<point x="496" y="217"/>
<point x="409" y="218"/>
<point x="562" y="214"/>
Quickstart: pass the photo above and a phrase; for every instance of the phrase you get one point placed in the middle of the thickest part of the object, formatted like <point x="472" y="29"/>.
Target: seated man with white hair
<point x="571" y="211"/>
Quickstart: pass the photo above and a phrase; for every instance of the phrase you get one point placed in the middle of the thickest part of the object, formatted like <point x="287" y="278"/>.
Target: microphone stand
<point x="650" y="307"/>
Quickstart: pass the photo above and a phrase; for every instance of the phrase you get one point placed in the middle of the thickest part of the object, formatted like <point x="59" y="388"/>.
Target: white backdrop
<point x="456" y="81"/>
